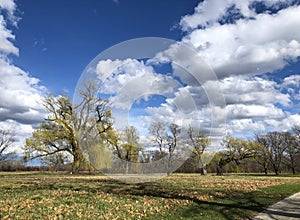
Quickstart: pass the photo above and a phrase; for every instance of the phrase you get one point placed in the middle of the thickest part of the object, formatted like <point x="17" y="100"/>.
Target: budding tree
<point x="235" y="150"/>
<point x="71" y="128"/>
<point x="199" y="142"/>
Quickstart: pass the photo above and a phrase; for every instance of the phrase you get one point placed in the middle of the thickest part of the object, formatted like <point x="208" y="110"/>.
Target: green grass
<point x="180" y="196"/>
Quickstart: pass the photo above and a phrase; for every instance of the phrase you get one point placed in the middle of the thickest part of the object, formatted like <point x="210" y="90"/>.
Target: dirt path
<point x="289" y="208"/>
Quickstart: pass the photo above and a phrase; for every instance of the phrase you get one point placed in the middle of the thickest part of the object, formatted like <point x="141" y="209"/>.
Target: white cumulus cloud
<point x="20" y="93"/>
<point x="131" y="80"/>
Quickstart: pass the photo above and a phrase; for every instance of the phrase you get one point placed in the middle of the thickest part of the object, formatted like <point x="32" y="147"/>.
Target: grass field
<point x="179" y="196"/>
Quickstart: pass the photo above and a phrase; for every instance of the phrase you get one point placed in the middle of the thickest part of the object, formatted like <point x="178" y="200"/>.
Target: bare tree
<point x="7" y="138"/>
<point x="158" y="131"/>
<point x="56" y="161"/>
<point x="292" y="148"/>
<point x="262" y="156"/>
<point x="166" y="137"/>
<point x="275" y="143"/>
<point x="172" y="140"/>
<point x="199" y="142"/>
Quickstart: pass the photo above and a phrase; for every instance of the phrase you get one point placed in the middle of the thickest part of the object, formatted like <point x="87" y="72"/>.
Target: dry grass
<point x="179" y="196"/>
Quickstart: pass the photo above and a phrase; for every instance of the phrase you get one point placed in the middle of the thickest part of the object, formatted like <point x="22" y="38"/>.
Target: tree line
<point x="83" y="136"/>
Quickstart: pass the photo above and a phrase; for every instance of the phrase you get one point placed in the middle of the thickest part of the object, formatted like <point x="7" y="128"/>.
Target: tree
<point x="275" y="144"/>
<point x="200" y="142"/>
<point x="235" y="151"/>
<point x="69" y="127"/>
<point x="125" y="145"/>
<point x="56" y="161"/>
<point x="166" y="137"/>
<point x="7" y="138"/>
<point x="158" y="131"/>
<point x="292" y="148"/>
<point x="172" y="140"/>
<point x="262" y="156"/>
<point x="130" y="146"/>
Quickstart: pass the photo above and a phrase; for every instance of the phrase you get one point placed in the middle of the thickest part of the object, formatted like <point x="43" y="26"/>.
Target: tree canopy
<point x="69" y="128"/>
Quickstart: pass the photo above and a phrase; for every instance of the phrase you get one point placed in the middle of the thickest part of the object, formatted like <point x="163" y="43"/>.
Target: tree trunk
<point x="220" y="170"/>
<point x="78" y="160"/>
<point x="203" y="171"/>
<point x="76" y="164"/>
<point x="126" y="167"/>
<point x="169" y="165"/>
<point x="266" y="171"/>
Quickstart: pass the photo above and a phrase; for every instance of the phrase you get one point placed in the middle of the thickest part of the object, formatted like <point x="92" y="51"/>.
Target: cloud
<point x="293" y="80"/>
<point x="21" y="94"/>
<point x="252" y="104"/>
<point x="263" y="37"/>
<point x="256" y="46"/>
<point x="259" y="45"/>
<point x="208" y="12"/>
<point x="246" y="126"/>
<point x="222" y="65"/>
<point x="284" y="125"/>
<point x="248" y="90"/>
<point x="131" y="80"/>
<point x="251" y="90"/>
<point x="186" y="63"/>
<point x="9" y="6"/>
<point x="6" y="46"/>
<point x="239" y="111"/>
<point x="214" y="11"/>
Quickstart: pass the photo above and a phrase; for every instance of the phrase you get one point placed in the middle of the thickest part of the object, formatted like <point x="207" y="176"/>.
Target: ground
<point x="179" y="196"/>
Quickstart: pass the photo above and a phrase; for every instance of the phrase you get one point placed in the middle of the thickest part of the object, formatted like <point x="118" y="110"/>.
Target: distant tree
<point x="166" y="137"/>
<point x="130" y="146"/>
<point x="69" y="127"/>
<point x="172" y="141"/>
<point x="292" y="148"/>
<point x="7" y="138"/>
<point x="125" y="145"/>
<point x="262" y="155"/>
<point x="55" y="161"/>
<point x="275" y="143"/>
<point x="235" y="150"/>
<point x="158" y="131"/>
<point x="12" y="165"/>
<point x="200" y="142"/>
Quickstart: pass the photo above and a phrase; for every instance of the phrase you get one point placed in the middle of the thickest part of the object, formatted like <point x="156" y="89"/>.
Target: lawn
<point x="179" y="196"/>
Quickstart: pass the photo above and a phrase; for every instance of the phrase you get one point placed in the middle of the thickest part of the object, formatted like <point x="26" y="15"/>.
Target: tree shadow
<point x="244" y="205"/>
<point x="229" y="206"/>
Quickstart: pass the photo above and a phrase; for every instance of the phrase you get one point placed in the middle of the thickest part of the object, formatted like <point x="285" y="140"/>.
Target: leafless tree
<point x="7" y="138"/>
<point x="158" y="131"/>
<point x="276" y="144"/>
<point x="200" y="142"/>
<point x="172" y="140"/>
<point x="166" y="137"/>
<point x="292" y="148"/>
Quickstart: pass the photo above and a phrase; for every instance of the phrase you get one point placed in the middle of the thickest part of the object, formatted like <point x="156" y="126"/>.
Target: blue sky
<point x="252" y="48"/>
<point x="59" y="38"/>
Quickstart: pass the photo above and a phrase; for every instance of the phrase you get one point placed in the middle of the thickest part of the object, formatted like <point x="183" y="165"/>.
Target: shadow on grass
<point x="231" y="205"/>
